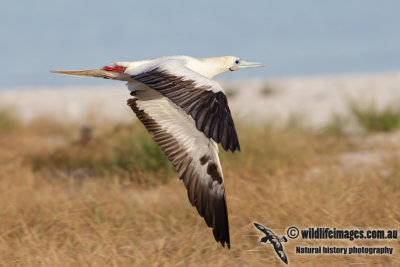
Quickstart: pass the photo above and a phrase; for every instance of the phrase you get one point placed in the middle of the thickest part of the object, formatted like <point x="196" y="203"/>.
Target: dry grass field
<point x="108" y="197"/>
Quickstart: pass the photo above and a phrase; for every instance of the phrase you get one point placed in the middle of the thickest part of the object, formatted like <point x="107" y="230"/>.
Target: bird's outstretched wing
<point x="201" y="98"/>
<point x="194" y="156"/>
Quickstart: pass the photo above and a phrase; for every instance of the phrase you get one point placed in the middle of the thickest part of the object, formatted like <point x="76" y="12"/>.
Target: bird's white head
<point x="217" y="65"/>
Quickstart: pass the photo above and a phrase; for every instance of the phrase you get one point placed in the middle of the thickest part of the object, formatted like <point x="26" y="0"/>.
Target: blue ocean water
<point x="293" y="38"/>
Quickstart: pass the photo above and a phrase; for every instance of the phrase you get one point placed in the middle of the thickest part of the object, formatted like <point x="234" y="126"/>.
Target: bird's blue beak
<point x="245" y="65"/>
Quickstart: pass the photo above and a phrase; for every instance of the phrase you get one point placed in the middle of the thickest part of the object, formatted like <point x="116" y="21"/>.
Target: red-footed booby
<point x="187" y="115"/>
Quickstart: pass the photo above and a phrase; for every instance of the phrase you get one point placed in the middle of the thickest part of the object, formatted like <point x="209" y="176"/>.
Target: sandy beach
<point x="313" y="99"/>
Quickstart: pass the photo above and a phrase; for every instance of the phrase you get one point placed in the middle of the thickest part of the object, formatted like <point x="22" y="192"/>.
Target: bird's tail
<point x="115" y="73"/>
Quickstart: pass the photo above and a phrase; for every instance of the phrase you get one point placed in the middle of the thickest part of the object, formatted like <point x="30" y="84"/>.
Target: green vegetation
<point x="126" y="151"/>
<point x="374" y="119"/>
<point x="8" y="121"/>
<point x="282" y="177"/>
<point x="336" y="126"/>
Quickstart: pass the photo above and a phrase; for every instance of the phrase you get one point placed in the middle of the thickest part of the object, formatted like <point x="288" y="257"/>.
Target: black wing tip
<point x="233" y="149"/>
<point x="231" y="145"/>
<point x="220" y="227"/>
<point x="223" y="242"/>
<point x="223" y="236"/>
<point x="228" y="245"/>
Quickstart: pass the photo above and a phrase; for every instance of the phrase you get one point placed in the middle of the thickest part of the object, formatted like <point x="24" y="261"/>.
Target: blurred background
<point x="83" y="184"/>
<point x="301" y="38"/>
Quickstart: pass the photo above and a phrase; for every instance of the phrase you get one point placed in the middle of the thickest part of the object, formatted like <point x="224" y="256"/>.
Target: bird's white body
<point x="187" y="114"/>
<point x="207" y="67"/>
<point x="198" y="70"/>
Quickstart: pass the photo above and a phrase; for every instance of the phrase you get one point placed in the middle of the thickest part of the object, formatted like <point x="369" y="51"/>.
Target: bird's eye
<point x="237" y="61"/>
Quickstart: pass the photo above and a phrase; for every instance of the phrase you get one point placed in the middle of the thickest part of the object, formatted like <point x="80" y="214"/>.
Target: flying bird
<point x="274" y="240"/>
<point x="187" y="115"/>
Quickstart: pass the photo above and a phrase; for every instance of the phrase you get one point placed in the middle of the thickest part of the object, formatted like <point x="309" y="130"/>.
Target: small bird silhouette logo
<point x="274" y="240"/>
